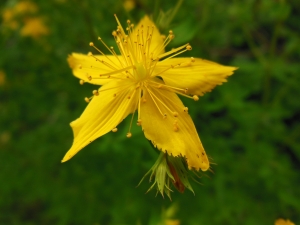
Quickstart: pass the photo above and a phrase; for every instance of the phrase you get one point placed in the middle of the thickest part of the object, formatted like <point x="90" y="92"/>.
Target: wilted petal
<point x="198" y="75"/>
<point x="102" y="114"/>
<point x="175" y="135"/>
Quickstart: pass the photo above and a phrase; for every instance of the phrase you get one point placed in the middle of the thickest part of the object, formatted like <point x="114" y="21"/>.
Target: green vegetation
<point x="249" y="126"/>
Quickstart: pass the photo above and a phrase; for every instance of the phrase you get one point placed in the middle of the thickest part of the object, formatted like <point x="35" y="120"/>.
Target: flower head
<point x="141" y="76"/>
<point x="283" y="222"/>
<point x="24" y="15"/>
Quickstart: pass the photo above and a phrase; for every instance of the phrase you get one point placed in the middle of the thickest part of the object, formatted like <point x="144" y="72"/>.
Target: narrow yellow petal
<point x="85" y="66"/>
<point x="174" y="132"/>
<point x="115" y="101"/>
<point x="197" y="75"/>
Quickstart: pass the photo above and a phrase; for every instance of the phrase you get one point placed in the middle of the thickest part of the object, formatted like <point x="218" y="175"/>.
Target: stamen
<point x="95" y="92"/>
<point x="185" y="109"/>
<point x="114" y="130"/>
<point x="81" y="82"/>
<point x="107" y="64"/>
<point x="161" y="101"/>
<point x="188" y="48"/>
<point x="87" y="99"/>
<point x="172" y="51"/>
<point x="129" y="133"/>
<point x="120" y="26"/>
<point x="139" y="106"/>
<point x="102" y="61"/>
<point x="120" y="89"/>
<point x="167" y="86"/>
<point x="163" y="114"/>
<point x="167" y="41"/>
<point x="195" y="97"/>
<point x="139" y="122"/>
<point x="175" y="126"/>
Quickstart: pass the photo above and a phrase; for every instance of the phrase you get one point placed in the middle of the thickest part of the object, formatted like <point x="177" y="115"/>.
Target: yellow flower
<point x="172" y="222"/>
<point x="34" y="27"/>
<point x="129" y="5"/>
<point x="25" y="7"/>
<point x="146" y="79"/>
<point x="2" y="77"/>
<point x="283" y="222"/>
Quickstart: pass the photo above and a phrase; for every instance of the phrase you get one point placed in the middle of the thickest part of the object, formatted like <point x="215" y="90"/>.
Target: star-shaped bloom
<point x="141" y="76"/>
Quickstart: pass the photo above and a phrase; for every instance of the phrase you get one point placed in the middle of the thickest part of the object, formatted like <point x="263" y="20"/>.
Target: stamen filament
<point x="92" y="44"/>
<point x="172" y="51"/>
<point x="150" y="93"/>
<point x="161" y="102"/>
<point x="164" y="85"/>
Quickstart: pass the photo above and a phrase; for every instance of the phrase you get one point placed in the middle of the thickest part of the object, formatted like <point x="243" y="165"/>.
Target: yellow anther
<point x="172" y="36"/>
<point x="111" y="47"/>
<point x="185" y="109"/>
<point x="95" y="92"/>
<point x="90" y="54"/>
<point x="163" y="37"/>
<point x="129" y="135"/>
<point x="165" y="116"/>
<point x="91" y="44"/>
<point x="192" y="59"/>
<point x="139" y="122"/>
<point x="99" y="38"/>
<point x="175" y="114"/>
<point x="188" y="47"/>
<point x="175" y="128"/>
<point x="132" y="25"/>
<point x="195" y="97"/>
<point x="81" y="82"/>
<point x="114" y="33"/>
<point x="86" y="99"/>
<point x="128" y="21"/>
<point x="114" y="130"/>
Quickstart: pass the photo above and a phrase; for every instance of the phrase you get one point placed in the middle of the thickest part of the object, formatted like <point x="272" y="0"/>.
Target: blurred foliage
<point x="249" y="126"/>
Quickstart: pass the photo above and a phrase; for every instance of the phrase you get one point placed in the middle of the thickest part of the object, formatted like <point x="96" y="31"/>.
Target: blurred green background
<point x="249" y="126"/>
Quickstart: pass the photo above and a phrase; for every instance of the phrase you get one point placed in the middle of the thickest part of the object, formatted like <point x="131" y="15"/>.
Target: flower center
<point x="140" y="72"/>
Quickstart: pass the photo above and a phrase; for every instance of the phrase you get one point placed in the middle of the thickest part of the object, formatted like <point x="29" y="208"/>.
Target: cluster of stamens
<point x="137" y="62"/>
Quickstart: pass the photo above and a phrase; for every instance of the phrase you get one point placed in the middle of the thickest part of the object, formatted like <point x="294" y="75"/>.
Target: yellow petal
<point x="175" y="135"/>
<point x="156" y="40"/>
<point x="84" y="66"/>
<point x="199" y="77"/>
<point x="102" y="114"/>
